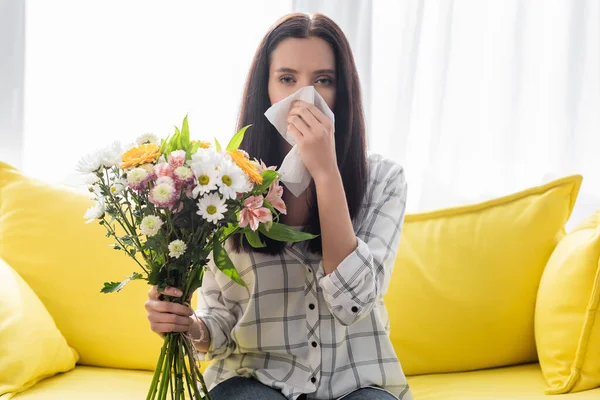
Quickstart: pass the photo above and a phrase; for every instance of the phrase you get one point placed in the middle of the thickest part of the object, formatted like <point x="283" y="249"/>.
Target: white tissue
<point x="294" y="174"/>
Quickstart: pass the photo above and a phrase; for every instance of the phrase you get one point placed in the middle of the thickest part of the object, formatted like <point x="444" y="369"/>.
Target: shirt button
<point x="311" y="306"/>
<point x="354" y="309"/>
<point x="314" y="344"/>
<point x="313" y="379"/>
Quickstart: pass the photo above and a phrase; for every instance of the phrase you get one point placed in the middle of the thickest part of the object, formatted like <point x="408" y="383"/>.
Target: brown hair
<point x="262" y="139"/>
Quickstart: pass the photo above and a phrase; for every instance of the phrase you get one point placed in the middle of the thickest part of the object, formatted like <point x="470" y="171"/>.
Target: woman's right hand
<point x="165" y="316"/>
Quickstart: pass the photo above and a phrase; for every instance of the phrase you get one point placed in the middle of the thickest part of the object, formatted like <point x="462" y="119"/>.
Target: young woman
<point x="311" y="322"/>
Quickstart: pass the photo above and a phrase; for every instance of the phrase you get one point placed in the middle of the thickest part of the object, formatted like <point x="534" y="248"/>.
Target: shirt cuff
<point x="218" y="347"/>
<point x="349" y="290"/>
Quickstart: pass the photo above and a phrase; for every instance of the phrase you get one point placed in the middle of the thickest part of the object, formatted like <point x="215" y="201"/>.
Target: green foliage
<point x="236" y="140"/>
<point x="223" y="262"/>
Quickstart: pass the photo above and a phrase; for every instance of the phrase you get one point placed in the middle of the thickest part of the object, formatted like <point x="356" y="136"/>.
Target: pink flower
<point x="177" y="158"/>
<point x="274" y="197"/>
<point x="163" y="169"/>
<point x="262" y="167"/>
<point x="253" y="213"/>
<point x="164" y="194"/>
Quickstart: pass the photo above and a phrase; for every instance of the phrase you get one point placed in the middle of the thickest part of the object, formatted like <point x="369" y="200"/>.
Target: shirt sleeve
<point x="217" y="317"/>
<point x="355" y="286"/>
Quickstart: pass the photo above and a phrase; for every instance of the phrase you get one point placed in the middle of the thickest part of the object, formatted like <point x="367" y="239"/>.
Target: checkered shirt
<point x="303" y="332"/>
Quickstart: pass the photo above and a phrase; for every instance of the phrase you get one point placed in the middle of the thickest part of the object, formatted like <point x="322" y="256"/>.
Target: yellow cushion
<point x="567" y="320"/>
<point x="524" y="382"/>
<point x="31" y="347"/>
<point x="65" y="261"/>
<point x="92" y="383"/>
<point x="462" y="296"/>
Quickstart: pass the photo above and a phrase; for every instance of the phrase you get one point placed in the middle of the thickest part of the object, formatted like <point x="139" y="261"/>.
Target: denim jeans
<point x="240" y="388"/>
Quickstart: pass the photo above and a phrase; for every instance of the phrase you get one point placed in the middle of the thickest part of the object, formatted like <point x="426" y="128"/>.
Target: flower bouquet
<point x="170" y="205"/>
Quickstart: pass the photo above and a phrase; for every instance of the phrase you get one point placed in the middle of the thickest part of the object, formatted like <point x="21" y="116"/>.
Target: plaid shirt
<point x="301" y="331"/>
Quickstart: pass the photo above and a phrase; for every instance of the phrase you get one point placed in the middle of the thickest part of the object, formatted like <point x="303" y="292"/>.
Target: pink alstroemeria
<point x="253" y="213"/>
<point x="163" y="169"/>
<point x="274" y="197"/>
<point x="177" y="158"/>
<point x="262" y="167"/>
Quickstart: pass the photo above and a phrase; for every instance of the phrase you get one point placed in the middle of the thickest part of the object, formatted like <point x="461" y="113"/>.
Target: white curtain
<point x="98" y="71"/>
<point x="12" y="42"/>
<point x="476" y="98"/>
<point x="482" y="98"/>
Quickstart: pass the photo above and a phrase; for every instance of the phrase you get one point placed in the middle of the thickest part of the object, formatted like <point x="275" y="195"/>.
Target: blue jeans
<point x="240" y="388"/>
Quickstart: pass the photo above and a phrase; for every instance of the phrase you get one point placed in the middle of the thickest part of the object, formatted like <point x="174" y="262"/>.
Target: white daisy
<point x="117" y="187"/>
<point x="211" y="207"/>
<point x="95" y="212"/>
<point x="206" y="178"/>
<point x="150" y="225"/>
<point x="146" y="138"/>
<point x="206" y="156"/>
<point x="232" y="180"/>
<point x="177" y="248"/>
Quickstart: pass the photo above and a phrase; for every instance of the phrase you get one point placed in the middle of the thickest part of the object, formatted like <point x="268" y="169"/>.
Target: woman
<point x="311" y="322"/>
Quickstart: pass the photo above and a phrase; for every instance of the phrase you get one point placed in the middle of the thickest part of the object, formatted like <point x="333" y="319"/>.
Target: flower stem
<point x="159" y="365"/>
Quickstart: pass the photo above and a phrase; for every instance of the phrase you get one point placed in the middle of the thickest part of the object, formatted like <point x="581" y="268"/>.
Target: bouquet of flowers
<point x="169" y="205"/>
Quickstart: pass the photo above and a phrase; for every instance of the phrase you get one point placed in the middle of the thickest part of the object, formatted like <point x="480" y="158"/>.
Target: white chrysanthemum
<point x="146" y="138"/>
<point x="90" y="179"/>
<point x="110" y="156"/>
<point x="150" y="225"/>
<point x="232" y="180"/>
<point x="211" y="207"/>
<point x="95" y="212"/>
<point x="206" y="178"/>
<point x="177" y="248"/>
<point x="117" y="187"/>
<point x="89" y="163"/>
<point x="137" y="177"/>
<point x="184" y="174"/>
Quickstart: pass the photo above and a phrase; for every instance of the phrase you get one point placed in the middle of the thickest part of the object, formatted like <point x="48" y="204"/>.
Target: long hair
<point x="264" y="142"/>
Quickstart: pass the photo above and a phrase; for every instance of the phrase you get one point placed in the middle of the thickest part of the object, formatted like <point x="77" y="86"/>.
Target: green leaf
<point x="236" y="140"/>
<point x="164" y="144"/>
<point x="185" y="133"/>
<point x="223" y="262"/>
<point x="254" y="239"/>
<point x="284" y="233"/>
<point x="193" y="148"/>
<point x="228" y="231"/>
<point x="268" y="177"/>
<point x="111" y="287"/>
<point x="115" y="246"/>
<point x="217" y="145"/>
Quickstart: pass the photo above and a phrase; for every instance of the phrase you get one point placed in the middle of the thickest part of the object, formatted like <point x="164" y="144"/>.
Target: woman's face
<point x="296" y="63"/>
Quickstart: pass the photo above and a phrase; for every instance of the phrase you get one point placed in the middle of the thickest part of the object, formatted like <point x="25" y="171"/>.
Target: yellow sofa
<point x="453" y="269"/>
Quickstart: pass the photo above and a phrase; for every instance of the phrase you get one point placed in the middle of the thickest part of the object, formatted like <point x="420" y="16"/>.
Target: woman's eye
<point x="325" y="81"/>
<point x="286" y="79"/>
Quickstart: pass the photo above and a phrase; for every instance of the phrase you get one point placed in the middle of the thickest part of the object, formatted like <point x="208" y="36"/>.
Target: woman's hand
<point x="165" y="316"/>
<point x="313" y="133"/>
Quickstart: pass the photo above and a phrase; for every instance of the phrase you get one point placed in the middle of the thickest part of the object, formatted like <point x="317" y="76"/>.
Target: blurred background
<point x="475" y="98"/>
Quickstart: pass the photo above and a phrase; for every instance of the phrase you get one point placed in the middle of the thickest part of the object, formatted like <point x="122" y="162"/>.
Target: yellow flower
<point x="140" y="155"/>
<point x="246" y="165"/>
<point x="203" y="145"/>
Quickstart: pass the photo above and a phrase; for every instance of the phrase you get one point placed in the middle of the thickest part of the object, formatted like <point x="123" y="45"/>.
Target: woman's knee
<point x="239" y="387"/>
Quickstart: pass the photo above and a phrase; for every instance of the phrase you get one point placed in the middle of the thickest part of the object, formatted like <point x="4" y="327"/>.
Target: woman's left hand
<point x="313" y="133"/>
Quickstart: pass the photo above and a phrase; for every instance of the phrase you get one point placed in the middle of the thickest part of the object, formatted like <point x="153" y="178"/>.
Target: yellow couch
<point x="461" y="299"/>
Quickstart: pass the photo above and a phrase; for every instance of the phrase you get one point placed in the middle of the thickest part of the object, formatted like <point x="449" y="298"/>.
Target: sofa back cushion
<point x="31" y="347"/>
<point x="463" y="292"/>
<point x="65" y="261"/>
<point x="567" y="318"/>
